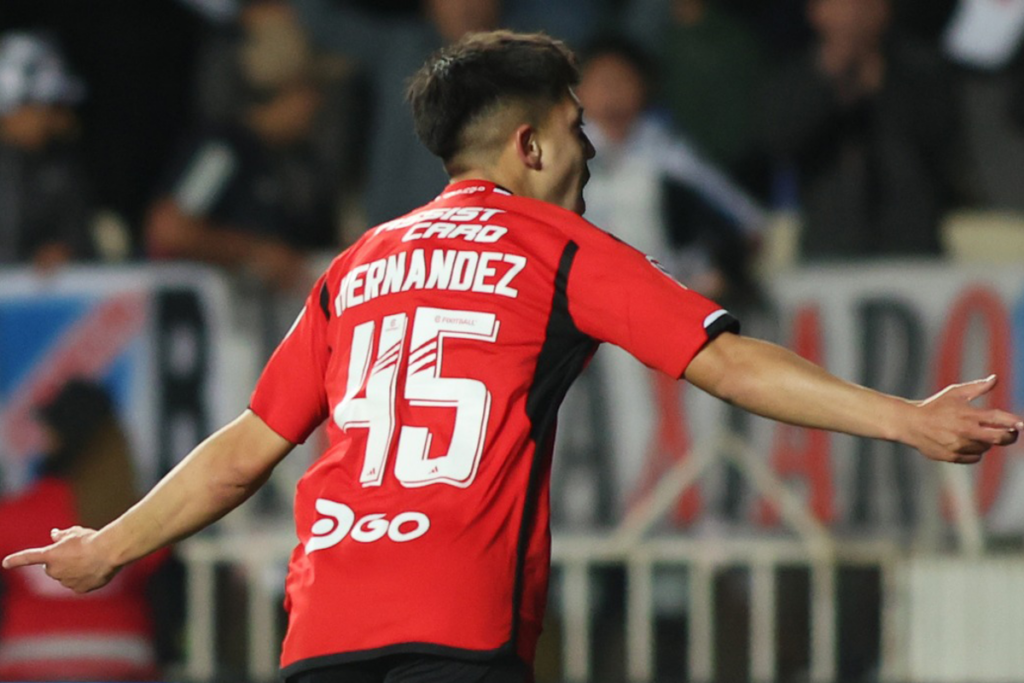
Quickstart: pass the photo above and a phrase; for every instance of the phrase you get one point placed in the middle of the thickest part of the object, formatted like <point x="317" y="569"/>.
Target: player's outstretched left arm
<point x="771" y="381"/>
<point x="215" y="478"/>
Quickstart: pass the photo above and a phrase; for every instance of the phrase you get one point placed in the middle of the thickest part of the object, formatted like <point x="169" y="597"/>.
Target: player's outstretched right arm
<point x="773" y="382"/>
<point x="215" y="478"/>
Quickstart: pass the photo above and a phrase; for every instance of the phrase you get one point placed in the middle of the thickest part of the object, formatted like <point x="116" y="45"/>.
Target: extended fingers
<point x="975" y="389"/>
<point x="1005" y="437"/>
<point x="25" y="558"/>
<point x="1001" y="418"/>
<point x="993" y="436"/>
<point x="60" y="534"/>
<point x="981" y="387"/>
<point x="40" y="555"/>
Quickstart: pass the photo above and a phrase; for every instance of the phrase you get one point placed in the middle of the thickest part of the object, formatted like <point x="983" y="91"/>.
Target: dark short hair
<point x="483" y="72"/>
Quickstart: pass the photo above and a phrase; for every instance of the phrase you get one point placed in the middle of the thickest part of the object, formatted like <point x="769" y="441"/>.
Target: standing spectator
<point x="781" y="25"/>
<point x="872" y="125"/>
<point x="46" y="210"/>
<point x="87" y="479"/>
<point x="651" y="188"/>
<point x="926" y="19"/>
<point x="574" y="21"/>
<point x="709" y="64"/>
<point x="985" y="39"/>
<point x="389" y="48"/>
<point x="253" y="194"/>
<point x="1016" y="104"/>
<point x="137" y="60"/>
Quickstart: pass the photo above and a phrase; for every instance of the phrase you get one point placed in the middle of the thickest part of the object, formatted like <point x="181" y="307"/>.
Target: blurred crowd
<point x="260" y="135"/>
<point x="252" y="133"/>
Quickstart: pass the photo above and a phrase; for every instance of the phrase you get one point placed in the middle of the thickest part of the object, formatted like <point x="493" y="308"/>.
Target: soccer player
<point x="437" y="349"/>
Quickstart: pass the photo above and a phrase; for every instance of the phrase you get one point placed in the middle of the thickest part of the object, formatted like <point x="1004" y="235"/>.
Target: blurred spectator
<point x="46" y="208"/>
<point x="871" y="122"/>
<point x="49" y="633"/>
<point x="924" y="19"/>
<point x="401" y="173"/>
<point x="986" y="40"/>
<point x="1016" y="103"/>
<point x="652" y="189"/>
<point x="649" y="188"/>
<point x="780" y="24"/>
<point x="709" y="67"/>
<point x="137" y="62"/>
<point x="255" y="194"/>
<point x="573" y="21"/>
<point x="387" y="7"/>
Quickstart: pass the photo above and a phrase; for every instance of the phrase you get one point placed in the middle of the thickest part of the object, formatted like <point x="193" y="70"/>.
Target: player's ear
<point x="527" y="146"/>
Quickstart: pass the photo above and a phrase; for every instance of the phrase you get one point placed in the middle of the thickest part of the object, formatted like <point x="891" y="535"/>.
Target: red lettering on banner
<point x="799" y="452"/>
<point x="986" y="306"/>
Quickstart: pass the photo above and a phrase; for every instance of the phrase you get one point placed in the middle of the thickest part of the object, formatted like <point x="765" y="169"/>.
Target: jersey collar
<point x="473" y="187"/>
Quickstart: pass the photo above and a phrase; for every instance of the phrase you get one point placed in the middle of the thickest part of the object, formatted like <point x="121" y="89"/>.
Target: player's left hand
<point x="74" y="559"/>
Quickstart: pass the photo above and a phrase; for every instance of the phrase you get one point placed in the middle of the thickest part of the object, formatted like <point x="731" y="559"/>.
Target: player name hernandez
<point x="456" y="270"/>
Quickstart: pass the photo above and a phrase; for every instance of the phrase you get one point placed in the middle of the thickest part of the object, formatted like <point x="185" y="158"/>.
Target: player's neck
<point x="489" y="175"/>
<point x="513" y="180"/>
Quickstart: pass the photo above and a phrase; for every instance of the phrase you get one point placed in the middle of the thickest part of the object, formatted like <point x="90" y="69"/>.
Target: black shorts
<point x="419" y="669"/>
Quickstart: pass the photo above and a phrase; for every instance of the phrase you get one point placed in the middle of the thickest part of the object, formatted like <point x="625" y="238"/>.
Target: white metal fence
<point x="261" y="556"/>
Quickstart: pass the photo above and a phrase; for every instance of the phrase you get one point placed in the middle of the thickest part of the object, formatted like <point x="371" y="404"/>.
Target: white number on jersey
<point x="424" y="387"/>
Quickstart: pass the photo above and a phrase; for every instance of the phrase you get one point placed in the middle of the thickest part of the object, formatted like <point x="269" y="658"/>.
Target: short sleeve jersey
<point x="438" y="349"/>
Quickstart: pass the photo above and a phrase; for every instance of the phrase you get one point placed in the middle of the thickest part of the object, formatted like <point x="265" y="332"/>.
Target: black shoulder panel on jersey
<point x="325" y="301"/>
<point x="562" y="357"/>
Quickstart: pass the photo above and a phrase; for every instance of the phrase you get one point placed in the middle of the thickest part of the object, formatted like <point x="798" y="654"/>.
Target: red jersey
<point x="49" y="633"/>
<point x="438" y="348"/>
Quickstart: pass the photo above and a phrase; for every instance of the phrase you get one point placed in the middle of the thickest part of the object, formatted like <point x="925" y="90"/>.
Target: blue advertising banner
<point x="149" y="335"/>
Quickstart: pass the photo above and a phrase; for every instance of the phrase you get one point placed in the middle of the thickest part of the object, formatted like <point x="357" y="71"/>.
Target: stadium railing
<point x="261" y="555"/>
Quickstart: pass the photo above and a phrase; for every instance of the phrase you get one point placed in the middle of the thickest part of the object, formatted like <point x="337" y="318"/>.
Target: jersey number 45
<point x="377" y="380"/>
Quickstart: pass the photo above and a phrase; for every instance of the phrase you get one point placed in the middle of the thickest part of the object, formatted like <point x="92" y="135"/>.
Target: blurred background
<point x="846" y="175"/>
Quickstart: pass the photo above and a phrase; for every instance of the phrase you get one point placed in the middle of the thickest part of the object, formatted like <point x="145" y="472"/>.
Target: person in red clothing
<point x="437" y="349"/>
<point x="47" y="633"/>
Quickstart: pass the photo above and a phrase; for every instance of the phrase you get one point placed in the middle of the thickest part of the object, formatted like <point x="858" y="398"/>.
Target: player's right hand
<point x="950" y="429"/>
<point x="74" y="559"/>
